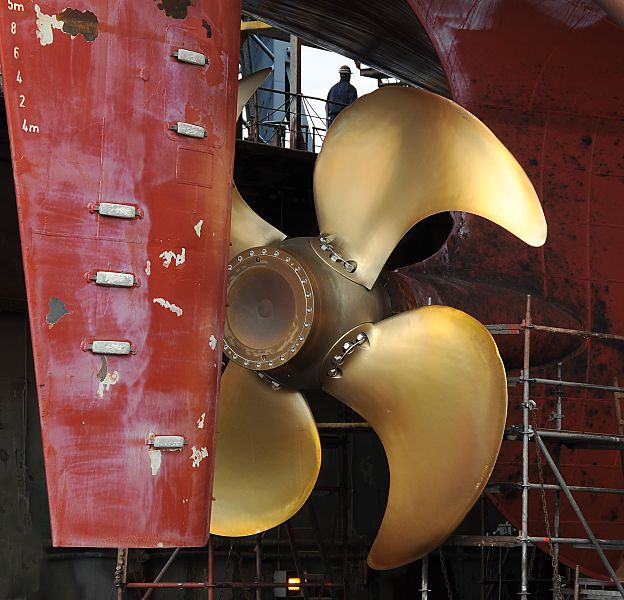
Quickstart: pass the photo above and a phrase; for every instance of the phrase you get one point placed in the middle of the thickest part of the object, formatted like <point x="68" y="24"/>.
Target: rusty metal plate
<point x="91" y="92"/>
<point x="541" y="75"/>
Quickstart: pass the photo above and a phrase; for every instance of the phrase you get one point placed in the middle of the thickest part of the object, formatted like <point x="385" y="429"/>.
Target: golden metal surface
<point x="247" y="229"/>
<point x="399" y="155"/>
<point x="432" y="385"/>
<point x="339" y="305"/>
<point x="268" y="455"/>
<point x="247" y="87"/>
<point x="270" y="308"/>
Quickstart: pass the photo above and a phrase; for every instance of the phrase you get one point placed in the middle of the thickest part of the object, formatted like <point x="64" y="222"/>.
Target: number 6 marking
<point x="16" y="52"/>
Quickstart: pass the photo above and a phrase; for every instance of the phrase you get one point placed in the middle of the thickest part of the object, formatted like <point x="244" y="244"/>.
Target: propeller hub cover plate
<point x="270" y="308"/>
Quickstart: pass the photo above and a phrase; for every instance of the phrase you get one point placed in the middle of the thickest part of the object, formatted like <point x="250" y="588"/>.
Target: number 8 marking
<point x="13" y="27"/>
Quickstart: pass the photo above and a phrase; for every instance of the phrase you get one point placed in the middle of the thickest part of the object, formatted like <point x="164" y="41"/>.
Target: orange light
<point x="293" y="580"/>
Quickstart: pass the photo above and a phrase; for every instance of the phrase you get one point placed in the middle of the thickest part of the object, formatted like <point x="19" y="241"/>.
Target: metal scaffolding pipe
<point x="612" y="441"/>
<point x="210" y="566"/>
<point x="575" y="384"/>
<point x="577" y="541"/>
<point x="579" y="514"/>
<point x="342" y="426"/>
<point x="551" y="487"/>
<point x="511" y="541"/>
<point x="514" y="328"/>
<point x="227" y="585"/>
<point x="578" y="332"/>
<point x="558" y="417"/>
<point x="258" y="551"/>
<point x="526" y="433"/>
<point x="590" y="440"/>
<point x="161" y="573"/>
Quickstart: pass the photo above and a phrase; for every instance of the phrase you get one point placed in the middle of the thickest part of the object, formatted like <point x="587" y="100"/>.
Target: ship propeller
<point x="310" y="313"/>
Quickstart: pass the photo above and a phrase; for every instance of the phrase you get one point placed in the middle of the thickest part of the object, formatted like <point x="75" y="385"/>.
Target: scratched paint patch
<point x="200" y="421"/>
<point x="148" y="268"/>
<point x="176" y="310"/>
<point x="56" y="312"/>
<point x="70" y="21"/>
<point x="207" y="27"/>
<point x="155" y="458"/>
<point x="198" y="226"/>
<point x="170" y="255"/>
<point x="177" y="9"/>
<point x="213" y="342"/>
<point x="198" y="455"/>
<point x="105" y="379"/>
<point x="45" y="26"/>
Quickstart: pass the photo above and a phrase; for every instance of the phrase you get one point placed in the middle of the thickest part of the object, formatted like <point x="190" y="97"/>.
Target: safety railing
<point x="285" y="122"/>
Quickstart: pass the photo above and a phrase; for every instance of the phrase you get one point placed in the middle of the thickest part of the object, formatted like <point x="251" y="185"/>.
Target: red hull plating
<point x="91" y="93"/>
<point x="543" y="76"/>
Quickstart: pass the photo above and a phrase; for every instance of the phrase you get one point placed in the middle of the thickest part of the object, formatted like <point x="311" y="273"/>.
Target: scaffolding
<point x="327" y="584"/>
<point x="527" y="433"/>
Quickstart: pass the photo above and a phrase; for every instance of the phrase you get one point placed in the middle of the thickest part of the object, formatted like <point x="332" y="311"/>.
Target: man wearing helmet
<point x="340" y="95"/>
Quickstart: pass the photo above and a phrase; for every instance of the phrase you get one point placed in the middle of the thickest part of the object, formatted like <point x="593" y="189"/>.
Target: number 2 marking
<point x="22" y="100"/>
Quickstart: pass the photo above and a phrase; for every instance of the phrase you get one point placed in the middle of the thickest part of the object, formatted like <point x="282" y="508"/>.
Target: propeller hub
<point x="286" y="308"/>
<point x="270" y="308"/>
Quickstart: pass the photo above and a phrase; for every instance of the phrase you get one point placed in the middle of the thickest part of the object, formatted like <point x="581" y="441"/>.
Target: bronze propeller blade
<point x="247" y="228"/>
<point x="267" y="458"/>
<point x="399" y="155"/>
<point x="432" y="385"/>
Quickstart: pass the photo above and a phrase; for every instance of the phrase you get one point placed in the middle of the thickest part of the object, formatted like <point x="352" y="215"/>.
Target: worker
<point x="340" y="95"/>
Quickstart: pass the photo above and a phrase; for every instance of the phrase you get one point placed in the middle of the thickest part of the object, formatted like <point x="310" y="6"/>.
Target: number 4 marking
<point x="28" y="128"/>
<point x="19" y="77"/>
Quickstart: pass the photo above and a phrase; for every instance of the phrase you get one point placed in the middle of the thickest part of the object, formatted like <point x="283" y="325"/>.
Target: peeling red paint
<point x="178" y="9"/>
<point x="76" y="23"/>
<point x="57" y="311"/>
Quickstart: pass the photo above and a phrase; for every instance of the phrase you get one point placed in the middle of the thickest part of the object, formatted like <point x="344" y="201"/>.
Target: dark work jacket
<point x="344" y="93"/>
